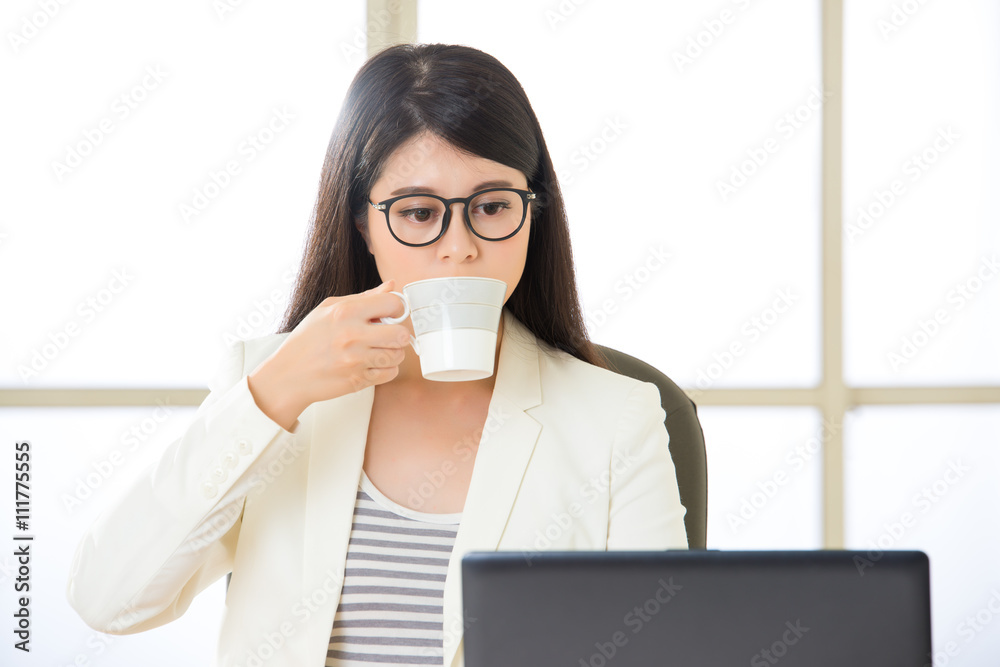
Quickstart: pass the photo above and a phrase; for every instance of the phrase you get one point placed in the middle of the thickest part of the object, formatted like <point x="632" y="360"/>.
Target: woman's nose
<point x="458" y="242"/>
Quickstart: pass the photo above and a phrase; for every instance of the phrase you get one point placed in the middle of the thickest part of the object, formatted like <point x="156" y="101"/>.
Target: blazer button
<point x="244" y="447"/>
<point x="219" y="475"/>
<point x="209" y="490"/>
<point x="230" y="460"/>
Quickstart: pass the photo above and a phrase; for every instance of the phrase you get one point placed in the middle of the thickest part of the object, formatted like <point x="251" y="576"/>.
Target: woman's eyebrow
<point x="412" y="189"/>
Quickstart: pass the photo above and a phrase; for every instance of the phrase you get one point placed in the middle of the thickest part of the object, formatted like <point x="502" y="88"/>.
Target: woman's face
<point x="434" y="166"/>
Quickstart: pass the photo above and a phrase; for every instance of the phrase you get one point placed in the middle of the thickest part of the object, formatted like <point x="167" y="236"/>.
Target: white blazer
<point x="572" y="457"/>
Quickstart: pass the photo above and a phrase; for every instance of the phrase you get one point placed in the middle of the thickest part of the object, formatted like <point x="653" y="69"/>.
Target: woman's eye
<point x="493" y="208"/>
<point x="418" y="214"/>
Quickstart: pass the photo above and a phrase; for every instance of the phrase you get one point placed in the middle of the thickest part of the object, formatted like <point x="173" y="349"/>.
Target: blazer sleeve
<point x="174" y="531"/>
<point x="645" y="506"/>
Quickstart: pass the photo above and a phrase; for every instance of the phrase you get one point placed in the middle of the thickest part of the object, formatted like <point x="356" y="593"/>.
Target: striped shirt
<point x="391" y="605"/>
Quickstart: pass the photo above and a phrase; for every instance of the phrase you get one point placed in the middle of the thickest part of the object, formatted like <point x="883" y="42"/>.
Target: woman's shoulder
<point x="584" y="381"/>
<point x="597" y="381"/>
<point x="597" y="401"/>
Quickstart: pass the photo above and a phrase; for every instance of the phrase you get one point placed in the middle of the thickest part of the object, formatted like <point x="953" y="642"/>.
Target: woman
<point x="339" y="486"/>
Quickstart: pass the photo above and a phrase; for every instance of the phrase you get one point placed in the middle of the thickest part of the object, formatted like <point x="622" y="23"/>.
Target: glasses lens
<point x="496" y="214"/>
<point x="416" y="219"/>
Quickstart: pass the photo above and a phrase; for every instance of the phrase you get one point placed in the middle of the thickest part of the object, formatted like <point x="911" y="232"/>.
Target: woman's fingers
<point x="368" y="306"/>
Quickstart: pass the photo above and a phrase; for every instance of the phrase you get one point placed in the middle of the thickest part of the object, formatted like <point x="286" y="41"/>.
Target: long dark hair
<point x="468" y="98"/>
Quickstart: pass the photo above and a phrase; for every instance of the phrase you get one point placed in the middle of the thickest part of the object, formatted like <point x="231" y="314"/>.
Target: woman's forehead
<point x="430" y="160"/>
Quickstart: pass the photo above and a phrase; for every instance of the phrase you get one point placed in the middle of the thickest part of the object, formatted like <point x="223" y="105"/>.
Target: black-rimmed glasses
<point x="418" y="220"/>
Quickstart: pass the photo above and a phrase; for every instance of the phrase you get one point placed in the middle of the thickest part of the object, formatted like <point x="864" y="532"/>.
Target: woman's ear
<point x="362" y="228"/>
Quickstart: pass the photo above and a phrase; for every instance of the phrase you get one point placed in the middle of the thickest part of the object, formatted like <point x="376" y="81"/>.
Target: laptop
<point x="696" y="608"/>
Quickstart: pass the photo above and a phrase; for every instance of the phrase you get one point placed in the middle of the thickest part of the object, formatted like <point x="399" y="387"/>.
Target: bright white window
<point x="922" y="298"/>
<point x="921" y="213"/>
<point x="765" y="474"/>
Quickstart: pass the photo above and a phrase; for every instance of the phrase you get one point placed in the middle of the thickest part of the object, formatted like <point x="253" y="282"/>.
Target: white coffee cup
<point x="455" y="322"/>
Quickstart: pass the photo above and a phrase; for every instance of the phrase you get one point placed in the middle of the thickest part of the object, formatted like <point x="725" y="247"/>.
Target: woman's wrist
<point x="274" y="398"/>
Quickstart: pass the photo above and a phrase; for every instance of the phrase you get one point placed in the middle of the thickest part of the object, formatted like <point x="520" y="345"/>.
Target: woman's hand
<point x="338" y="348"/>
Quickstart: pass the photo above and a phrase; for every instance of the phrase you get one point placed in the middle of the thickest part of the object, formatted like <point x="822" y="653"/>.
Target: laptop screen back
<point x="690" y="608"/>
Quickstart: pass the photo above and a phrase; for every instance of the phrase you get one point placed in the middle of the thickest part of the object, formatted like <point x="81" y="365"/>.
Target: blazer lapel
<point x="337" y="431"/>
<point x="337" y="437"/>
<point x="508" y="440"/>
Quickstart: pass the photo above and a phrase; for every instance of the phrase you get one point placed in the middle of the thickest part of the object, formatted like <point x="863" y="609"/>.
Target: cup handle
<point x="397" y="320"/>
<point x="406" y="311"/>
